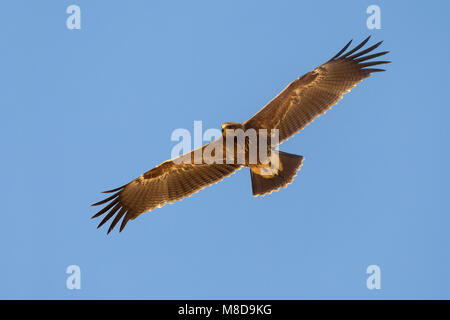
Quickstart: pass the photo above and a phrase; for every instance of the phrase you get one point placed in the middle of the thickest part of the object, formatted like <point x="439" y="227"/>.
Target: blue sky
<point x="88" y="110"/>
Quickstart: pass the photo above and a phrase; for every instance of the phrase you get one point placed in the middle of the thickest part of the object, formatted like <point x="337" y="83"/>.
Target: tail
<point x="288" y="166"/>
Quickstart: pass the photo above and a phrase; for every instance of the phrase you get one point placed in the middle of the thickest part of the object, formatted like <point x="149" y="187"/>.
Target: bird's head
<point x="231" y="125"/>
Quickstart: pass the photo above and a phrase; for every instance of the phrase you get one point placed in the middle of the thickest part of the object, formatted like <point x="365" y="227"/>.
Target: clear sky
<point x="88" y="110"/>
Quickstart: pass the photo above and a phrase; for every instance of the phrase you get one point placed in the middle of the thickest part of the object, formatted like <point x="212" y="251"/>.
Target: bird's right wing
<point x="172" y="180"/>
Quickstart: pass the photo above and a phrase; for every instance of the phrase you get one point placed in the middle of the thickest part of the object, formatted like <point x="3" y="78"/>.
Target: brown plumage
<point x="297" y="105"/>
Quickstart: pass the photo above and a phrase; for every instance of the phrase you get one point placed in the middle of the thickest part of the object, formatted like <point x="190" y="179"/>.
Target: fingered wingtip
<point x="114" y="190"/>
<point x="375" y="70"/>
<point x="367" y="39"/>
<point x="342" y="50"/>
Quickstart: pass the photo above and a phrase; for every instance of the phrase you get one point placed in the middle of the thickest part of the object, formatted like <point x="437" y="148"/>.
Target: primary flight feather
<point x="290" y="111"/>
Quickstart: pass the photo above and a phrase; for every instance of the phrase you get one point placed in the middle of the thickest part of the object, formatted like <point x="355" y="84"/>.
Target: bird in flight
<point x="290" y="111"/>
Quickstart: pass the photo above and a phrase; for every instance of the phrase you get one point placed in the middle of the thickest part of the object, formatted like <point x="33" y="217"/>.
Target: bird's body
<point x="297" y="105"/>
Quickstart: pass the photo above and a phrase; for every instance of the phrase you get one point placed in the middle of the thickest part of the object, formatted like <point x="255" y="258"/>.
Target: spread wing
<point x="317" y="91"/>
<point x="172" y="180"/>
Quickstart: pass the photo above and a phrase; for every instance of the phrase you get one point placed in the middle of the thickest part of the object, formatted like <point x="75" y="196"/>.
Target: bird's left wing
<point x="172" y="180"/>
<point x="317" y="91"/>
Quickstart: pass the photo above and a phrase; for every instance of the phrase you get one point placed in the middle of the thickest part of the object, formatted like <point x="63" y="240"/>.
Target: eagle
<point x="297" y="105"/>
